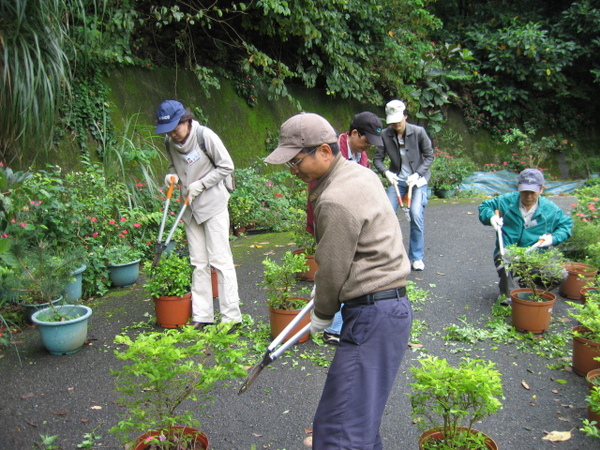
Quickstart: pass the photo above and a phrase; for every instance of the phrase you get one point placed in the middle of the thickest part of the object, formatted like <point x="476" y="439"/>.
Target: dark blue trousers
<point x="372" y="344"/>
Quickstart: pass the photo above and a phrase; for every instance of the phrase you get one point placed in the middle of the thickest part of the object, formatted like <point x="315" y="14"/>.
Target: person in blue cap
<point x="200" y="163"/>
<point x="525" y="217"/>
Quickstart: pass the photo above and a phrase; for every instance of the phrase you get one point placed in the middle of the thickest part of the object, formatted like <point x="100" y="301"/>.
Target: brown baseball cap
<point x="298" y="132"/>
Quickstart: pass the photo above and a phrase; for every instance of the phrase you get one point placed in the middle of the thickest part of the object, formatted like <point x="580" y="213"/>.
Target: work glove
<point x="317" y="325"/>
<point x="496" y="222"/>
<point x="546" y="240"/>
<point x="392" y="177"/>
<point x="413" y="178"/>
<point x="195" y="189"/>
<point x="314" y="292"/>
<point x="168" y="179"/>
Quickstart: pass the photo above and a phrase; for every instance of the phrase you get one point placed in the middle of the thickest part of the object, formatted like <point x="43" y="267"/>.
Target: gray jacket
<point x="418" y="146"/>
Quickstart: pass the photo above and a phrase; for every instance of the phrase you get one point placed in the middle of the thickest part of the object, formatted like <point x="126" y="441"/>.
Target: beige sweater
<point x="359" y="242"/>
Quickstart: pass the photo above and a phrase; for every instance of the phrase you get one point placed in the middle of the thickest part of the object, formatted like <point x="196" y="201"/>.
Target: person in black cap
<point x="362" y="265"/>
<point x="525" y="218"/>
<point x="200" y="163"/>
<point x="362" y="134"/>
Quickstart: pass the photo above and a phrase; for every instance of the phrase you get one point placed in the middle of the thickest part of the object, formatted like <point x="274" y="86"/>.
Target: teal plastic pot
<point x="32" y="308"/>
<point x="66" y="337"/>
<point x="123" y="275"/>
<point x="74" y="289"/>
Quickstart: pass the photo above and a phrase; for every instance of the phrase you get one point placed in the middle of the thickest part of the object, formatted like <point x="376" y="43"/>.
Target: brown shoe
<point x="200" y="325"/>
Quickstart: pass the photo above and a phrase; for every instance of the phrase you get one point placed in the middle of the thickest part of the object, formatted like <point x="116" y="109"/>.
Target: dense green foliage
<point x="527" y="64"/>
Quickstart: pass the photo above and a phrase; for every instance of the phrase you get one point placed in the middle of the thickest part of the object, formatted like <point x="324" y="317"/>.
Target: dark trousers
<point x="372" y="344"/>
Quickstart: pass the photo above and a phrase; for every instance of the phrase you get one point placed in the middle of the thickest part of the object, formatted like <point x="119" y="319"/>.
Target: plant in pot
<point x="538" y="271"/>
<point x="586" y="335"/>
<point x="448" y="400"/>
<point x="284" y="298"/>
<point x="448" y="172"/>
<point x="123" y="262"/>
<point x="306" y="245"/>
<point x="161" y="371"/>
<point x="40" y="274"/>
<point x="169" y="283"/>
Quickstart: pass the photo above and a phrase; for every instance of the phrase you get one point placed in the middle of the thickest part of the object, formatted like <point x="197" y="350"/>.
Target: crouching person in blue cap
<point x="525" y="217"/>
<point x="362" y="265"/>
<point x="200" y="163"/>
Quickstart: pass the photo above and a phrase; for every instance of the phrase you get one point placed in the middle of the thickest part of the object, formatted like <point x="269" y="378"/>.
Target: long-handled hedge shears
<point x="271" y="354"/>
<point x="406" y="208"/>
<point x="161" y="246"/>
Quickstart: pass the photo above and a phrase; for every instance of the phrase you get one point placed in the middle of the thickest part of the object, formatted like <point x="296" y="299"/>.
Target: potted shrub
<point x="284" y="299"/>
<point x="40" y="274"/>
<point x="306" y="246"/>
<point x="448" y="172"/>
<point x="63" y="328"/>
<point x="123" y="262"/>
<point x="590" y="425"/>
<point x="586" y="335"/>
<point x="162" y="370"/>
<point x="538" y="271"/>
<point x="169" y="283"/>
<point x="447" y="401"/>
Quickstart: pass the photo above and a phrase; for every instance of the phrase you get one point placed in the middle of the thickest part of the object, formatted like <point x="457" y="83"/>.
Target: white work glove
<point x="496" y="222"/>
<point x="317" y="325"/>
<point x="547" y="240"/>
<point x="314" y="292"/>
<point x="168" y="179"/>
<point x="392" y="177"/>
<point x="413" y="178"/>
<point x="195" y="189"/>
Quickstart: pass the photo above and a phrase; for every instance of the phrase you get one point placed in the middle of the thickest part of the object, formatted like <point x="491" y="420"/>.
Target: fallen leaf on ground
<point x="257" y="435"/>
<point x="264" y="243"/>
<point x="418" y="279"/>
<point x="557" y="436"/>
<point x="26" y="396"/>
<point x="442" y="274"/>
<point x="415" y="345"/>
<point x="308" y="430"/>
<point x="525" y="385"/>
<point x="60" y="412"/>
<point x="96" y="407"/>
<point x="307" y="441"/>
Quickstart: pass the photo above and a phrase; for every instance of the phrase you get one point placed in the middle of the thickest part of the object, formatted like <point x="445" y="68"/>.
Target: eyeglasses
<point x="294" y="164"/>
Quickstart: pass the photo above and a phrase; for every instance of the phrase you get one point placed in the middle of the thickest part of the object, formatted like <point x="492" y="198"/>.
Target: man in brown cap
<point x="363" y="265"/>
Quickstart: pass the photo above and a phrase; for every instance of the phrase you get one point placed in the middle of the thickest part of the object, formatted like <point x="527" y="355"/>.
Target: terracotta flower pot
<point x="200" y="440"/>
<point x="572" y="285"/>
<point x="583" y="293"/>
<point x="280" y="318"/>
<point x="436" y="435"/>
<point x="173" y="312"/>
<point x="312" y="265"/>
<point x="530" y="316"/>
<point x="593" y="378"/>
<point x="584" y="352"/>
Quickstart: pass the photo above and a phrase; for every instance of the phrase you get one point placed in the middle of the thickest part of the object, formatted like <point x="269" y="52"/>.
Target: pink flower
<point x="111" y="222"/>
<point x="123" y="219"/>
<point x="137" y="225"/>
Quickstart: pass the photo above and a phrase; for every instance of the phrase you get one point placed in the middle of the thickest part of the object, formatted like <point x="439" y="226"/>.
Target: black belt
<point x="369" y="299"/>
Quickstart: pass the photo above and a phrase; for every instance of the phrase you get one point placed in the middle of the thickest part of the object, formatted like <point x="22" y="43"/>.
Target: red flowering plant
<point x="583" y="244"/>
<point x="448" y="171"/>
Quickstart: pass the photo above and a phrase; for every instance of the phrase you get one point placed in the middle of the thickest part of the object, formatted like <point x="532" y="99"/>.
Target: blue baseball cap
<point x="530" y="180"/>
<point x="167" y="116"/>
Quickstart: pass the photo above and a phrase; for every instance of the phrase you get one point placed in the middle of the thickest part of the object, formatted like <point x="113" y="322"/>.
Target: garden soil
<point x="68" y="396"/>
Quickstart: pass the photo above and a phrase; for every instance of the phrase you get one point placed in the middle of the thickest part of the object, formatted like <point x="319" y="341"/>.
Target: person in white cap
<point x="525" y="218"/>
<point x="201" y="176"/>
<point x="362" y="265"/>
<point x="410" y="152"/>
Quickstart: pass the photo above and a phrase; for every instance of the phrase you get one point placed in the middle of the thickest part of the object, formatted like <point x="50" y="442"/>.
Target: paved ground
<point x="70" y="395"/>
